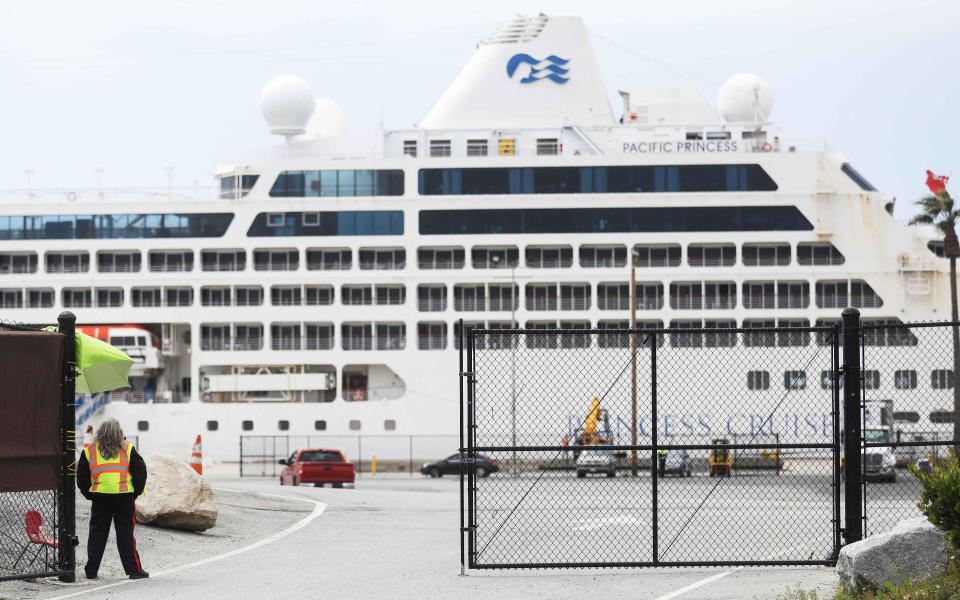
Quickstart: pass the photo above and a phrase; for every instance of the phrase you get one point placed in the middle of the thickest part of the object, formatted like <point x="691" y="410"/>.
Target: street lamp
<point x="495" y="259"/>
<point x="633" y="362"/>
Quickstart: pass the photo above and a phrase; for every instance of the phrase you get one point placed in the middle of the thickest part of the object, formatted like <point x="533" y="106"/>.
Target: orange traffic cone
<point x="196" y="457"/>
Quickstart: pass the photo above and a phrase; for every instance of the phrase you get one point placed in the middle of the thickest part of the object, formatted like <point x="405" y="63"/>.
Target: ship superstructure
<point x="319" y="291"/>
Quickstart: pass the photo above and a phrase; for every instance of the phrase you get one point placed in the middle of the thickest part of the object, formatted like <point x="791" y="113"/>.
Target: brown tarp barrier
<point x="30" y="374"/>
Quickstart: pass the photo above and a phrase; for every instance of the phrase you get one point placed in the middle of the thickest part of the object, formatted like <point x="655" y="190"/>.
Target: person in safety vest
<point x="112" y="475"/>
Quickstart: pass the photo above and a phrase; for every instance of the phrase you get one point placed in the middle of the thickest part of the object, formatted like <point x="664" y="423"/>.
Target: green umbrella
<point x="100" y="366"/>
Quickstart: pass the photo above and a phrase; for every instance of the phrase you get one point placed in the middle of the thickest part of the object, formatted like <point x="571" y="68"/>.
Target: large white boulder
<point x="176" y="497"/>
<point x="914" y="549"/>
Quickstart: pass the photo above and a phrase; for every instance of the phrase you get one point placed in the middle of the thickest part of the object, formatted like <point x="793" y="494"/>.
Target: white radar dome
<point x="287" y="103"/>
<point x="328" y="119"/>
<point x="745" y="98"/>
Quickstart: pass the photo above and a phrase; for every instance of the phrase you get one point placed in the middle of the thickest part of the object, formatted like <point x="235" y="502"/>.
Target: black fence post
<point x="852" y="484"/>
<point x="66" y="323"/>
<point x="463" y="551"/>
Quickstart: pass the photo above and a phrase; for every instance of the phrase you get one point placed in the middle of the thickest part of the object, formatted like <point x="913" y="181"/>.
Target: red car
<point x="317" y="466"/>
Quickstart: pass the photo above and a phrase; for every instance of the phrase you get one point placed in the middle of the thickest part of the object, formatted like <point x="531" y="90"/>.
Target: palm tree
<point x="939" y="210"/>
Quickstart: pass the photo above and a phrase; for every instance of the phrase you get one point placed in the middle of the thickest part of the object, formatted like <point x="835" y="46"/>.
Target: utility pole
<point x="633" y="365"/>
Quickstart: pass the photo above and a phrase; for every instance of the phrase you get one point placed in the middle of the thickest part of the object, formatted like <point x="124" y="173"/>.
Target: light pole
<point x="513" y="362"/>
<point x="633" y="363"/>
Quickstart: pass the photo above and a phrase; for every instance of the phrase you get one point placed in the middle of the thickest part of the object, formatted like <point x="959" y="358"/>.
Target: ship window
<point x="857" y="178"/>
<point x="478" y="340"/>
<point x="472" y="296"/>
<point x="283" y="425"/>
<point x="724" y="337"/>
<point x="77" y="297"/>
<point x="18" y="262"/>
<point x="906" y="417"/>
<point x="574" y="296"/>
<point x="337" y="183"/>
<point x="329" y="259"/>
<point x="887" y="332"/>
<point x="247" y="425"/>
<point x="390" y="295"/>
<point x="758" y="380"/>
<point x="440" y="258"/>
<point x="356" y="295"/>
<point x="574" y="340"/>
<point x="592" y="180"/>
<point x="109" y="297"/>
<point x="431" y="297"/>
<point x="320" y="425"/>
<point x="285" y="336"/>
<point x="12" y="298"/>
<point x="229" y="187"/>
<point x="178" y="296"/>
<point x="143" y="425"/>
<point x="759" y="294"/>
<point x="319" y="336"/>
<point x="793" y="294"/>
<point x="248" y="296"/>
<point x="113" y="226"/>
<point x="871" y="379"/>
<point x="146" y="297"/>
<point x="545" y="335"/>
<point x="356" y="336"/>
<point x="656" y="256"/>
<point x="494" y="258"/>
<point x="719" y="295"/>
<point x="795" y="380"/>
<point x="615" y="296"/>
<point x="213" y="296"/>
<point x="439" y="148"/>
<point x="477" y="147"/>
<point x="383" y="258"/>
<point x="603" y="256"/>
<point x="223" y="260"/>
<point x="213" y="425"/>
<point x="819" y="254"/>
<point x="319" y="295"/>
<point x="711" y="255"/>
<point x="826" y="380"/>
<point x="113" y="262"/>
<point x="354" y="425"/>
<point x="171" y="260"/>
<point x="286" y="295"/>
<point x="39" y="298"/>
<point x="390" y="425"/>
<point x="793" y="338"/>
<point x="68" y="262"/>
<point x="276" y="259"/>
<point x="548" y="147"/>
<point x="683" y="339"/>
<point x="766" y="255"/>
<point x="941" y="379"/>
<point x="940" y="417"/>
<point x="935" y="246"/>
<point x="332" y="223"/>
<point x="431" y="336"/>
<point x="247" y="336"/>
<point x="549" y="257"/>
<point x="410" y="148"/>
<point x="311" y="219"/>
<point x="863" y="296"/>
<point x="766" y="338"/>
<point x="686" y="295"/>
<point x="905" y="379"/>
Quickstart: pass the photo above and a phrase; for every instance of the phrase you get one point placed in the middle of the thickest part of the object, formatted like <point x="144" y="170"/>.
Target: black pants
<point x="120" y="509"/>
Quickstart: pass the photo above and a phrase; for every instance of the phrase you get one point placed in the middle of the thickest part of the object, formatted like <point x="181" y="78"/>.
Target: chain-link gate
<point x="37" y="478"/>
<point x="634" y="447"/>
<point x="910" y="407"/>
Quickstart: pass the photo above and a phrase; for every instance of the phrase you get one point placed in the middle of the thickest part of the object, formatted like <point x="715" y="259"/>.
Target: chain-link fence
<point x="37" y="465"/>
<point x="910" y="413"/>
<point x="652" y="447"/>
<point x="260" y="454"/>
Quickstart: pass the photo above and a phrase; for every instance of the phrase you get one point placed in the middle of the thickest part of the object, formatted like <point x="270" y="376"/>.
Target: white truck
<point x="879" y="462"/>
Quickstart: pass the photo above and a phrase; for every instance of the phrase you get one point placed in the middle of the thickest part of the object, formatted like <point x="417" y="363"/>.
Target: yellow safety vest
<point x="109" y="476"/>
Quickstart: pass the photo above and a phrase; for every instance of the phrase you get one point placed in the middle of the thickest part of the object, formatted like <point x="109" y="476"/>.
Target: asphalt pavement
<point x="397" y="537"/>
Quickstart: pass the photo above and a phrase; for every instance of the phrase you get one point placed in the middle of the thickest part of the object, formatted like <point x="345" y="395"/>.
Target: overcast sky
<point x="134" y="87"/>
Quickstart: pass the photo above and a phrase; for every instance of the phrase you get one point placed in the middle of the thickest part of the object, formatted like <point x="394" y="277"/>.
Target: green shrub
<point x="940" y="500"/>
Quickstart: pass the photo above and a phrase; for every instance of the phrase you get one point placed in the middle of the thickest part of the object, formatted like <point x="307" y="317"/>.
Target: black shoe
<point x="89" y="575"/>
<point x="140" y="575"/>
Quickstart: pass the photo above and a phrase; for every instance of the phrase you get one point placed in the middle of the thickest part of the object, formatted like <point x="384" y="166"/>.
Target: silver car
<point x="596" y="461"/>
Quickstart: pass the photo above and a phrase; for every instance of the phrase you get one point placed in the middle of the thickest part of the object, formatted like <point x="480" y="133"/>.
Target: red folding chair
<point x="34" y="525"/>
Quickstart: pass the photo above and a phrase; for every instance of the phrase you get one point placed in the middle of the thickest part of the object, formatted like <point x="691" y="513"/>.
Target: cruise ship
<point x="318" y="292"/>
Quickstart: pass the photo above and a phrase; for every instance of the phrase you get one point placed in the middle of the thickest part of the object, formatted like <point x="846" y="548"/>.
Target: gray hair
<point x="109" y="438"/>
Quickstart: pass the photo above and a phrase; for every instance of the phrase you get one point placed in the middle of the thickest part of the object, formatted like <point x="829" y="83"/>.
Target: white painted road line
<point x="318" y="508"/>
<point x="717" y="576"/>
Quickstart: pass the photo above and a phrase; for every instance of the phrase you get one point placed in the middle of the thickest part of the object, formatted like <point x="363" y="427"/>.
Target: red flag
<point x="936" y="183"/>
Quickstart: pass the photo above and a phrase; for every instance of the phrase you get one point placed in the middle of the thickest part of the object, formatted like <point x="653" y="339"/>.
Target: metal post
<point x="853" y="490"/>
<point x="654" y="453"/>
<point x="241" y="456"/>
<point x="359" y="455"/>
<point x="513" y="369"/>
<point x="66" y="324"/>
<point x="471" y="444"/>
<point x="463" y="552"/>
<point x="411" y="455"/>
<point x="633" y="367"/>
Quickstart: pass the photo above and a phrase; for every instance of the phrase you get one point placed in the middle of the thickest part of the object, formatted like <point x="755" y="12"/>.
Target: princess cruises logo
<point x="552" y="68"/>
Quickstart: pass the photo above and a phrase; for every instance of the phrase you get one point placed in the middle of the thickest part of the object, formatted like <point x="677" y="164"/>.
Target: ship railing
<point x="325" y="266"/>
<point x="440" y="264"/>
<point x="431" y="305"/>
<point x="382" y="265"/>
<point x="141" y="397"/>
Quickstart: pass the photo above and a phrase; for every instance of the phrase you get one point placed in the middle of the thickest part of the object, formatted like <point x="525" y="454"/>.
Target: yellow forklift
<point x="720" y="462"/>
